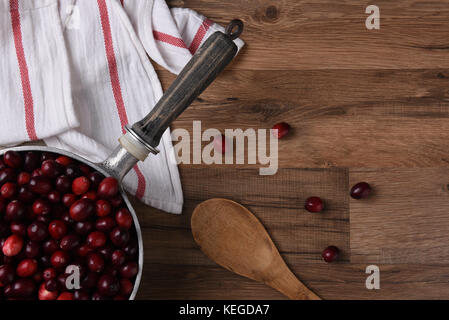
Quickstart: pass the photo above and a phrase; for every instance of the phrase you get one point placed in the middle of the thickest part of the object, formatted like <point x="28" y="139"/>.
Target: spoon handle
<point x="290" y="286"/>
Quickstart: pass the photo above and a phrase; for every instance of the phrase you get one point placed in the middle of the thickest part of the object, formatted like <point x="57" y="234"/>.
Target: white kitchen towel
<point x="74" y="72"/>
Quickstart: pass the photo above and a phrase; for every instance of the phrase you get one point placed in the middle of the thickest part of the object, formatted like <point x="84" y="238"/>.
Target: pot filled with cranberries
<point x="67" y="228"/>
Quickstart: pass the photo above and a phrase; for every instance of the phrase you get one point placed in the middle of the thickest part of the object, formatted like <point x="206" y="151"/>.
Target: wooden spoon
<point x="233" y="237"/>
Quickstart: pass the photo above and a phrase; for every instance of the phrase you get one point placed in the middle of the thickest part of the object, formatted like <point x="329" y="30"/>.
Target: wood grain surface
<point x="365" y="105"/>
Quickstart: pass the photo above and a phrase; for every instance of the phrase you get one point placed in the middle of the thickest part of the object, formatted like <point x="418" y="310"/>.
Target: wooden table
<point x="365" y="105"/>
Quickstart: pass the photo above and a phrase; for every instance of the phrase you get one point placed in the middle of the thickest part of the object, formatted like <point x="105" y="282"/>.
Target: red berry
<point x="96" y="239"/>
<point x="18" y="228"/>
<point x="69" y="242"/>
<point x="126" y="287"/>
<point x="41" y="207"/>
<point x="37" y="231"/>
<point x="84" y="227"/>
<point x="85" y="169"/>
<point x="26" y="268"/>
<point x="95" y="262"/>
<point x="57" y="229"/>
<point x="108" y="286"/>
<point x="49" y="273"/>
<point x="44" y="294"/>
<point x="59" y="259"/>
<point x="23" y="178"/>
<point x="80" y="185"/>
<point x="82" y="209"/>
<point x="119" y="237"/>
<point x="108" y="188"/>
<point x="330" y="254"/>
<point x="360" y="190"/>
<point x="64" y="161"/>
<point x="280" y="130"/>
<point x="7" y="274"/>
<point x="103" y="208"/>
<point x="54" y="196"/>
<point x="314" y="204"/>
<point x="23" y="288"/>
<point x="8" y="190"/>
<point x="105" y="224"/>
<point x="68" y="199"/>
<point x="40" y="185"/>
<point x="124" y="218"/>
<point x="12" y="246"/>
<point x="32" y="249"/>
<point x="50" y="168"/>
<point x="118" y="258"/>
<point x="7" y="175"/>
<point x="129" y="270"/>
<point x="90" y="195"/>
<point x="13" y="159"/>
<point x="15" y="210"/>
<point x="65" y="296"/>
<point x="84" y="250"/>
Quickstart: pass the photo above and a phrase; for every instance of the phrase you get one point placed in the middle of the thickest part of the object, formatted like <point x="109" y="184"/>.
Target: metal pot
<point x="144" y="136"/>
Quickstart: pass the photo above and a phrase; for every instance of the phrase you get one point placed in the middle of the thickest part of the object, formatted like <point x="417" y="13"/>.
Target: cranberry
<point x="70" y="242"/>
<point x="108" y="188"/>
<point x="62" y="280"/>
<point x="49" y="273"/>
<point x="80" y="185"/>
<point x="7" y="273"/>
<point x="85" y="169"/>
<point x="23" y="178"/>
<point x="52" y="169"/>
<point x="66" y="218"/>
<point x="43" y="219"/>
<point x="280" y="130"/>
<point x="84" y="227"/>
<point x="23" y="288"/>
<point x="63" y="184"/>
<point x="8" y="190"/>
<point x="65" y="296"/>
<point x="96" y="239"/>
<point x="64" y="161"/>
<point x="12" y="246"/>
<point x="15" y="210"/>
<point x="84" y="250"/>
<point x="50" y="246"/>
<point x="40" y="185"/>
<point x="45" y="261"/>
<point x="57" y="229"/>
<point x="13" y="159"/>
<point x="7" y="175"/>
<point x="59" y="259"/>
<point x="314" y="204"/>
<point x="330" y="254"/>
<point x="37" y="231"/>
<point x="32" y="249"/>
<point x="25" y="195"/>
<point x="118" y="258"/>
<point x="95" y="178"/>
<point x="32" y="161"/>
<point x="103" y="208"/>
<point x="41" y="207"/>
<point x="105" y="224"/>
<point x="52" y="285"/>
<point x="119" y="237"/>
<point x="129" y="270"/>
<point x="106" y="251"/>
<point x="54" y="196"/>
<point x="124" y="218"/>
<point x="80" y="295"/>
<point x="82" y="209"/>
<point x="44" y="294"/>
<point x="108" y="286"/>
<point x="68" y="199"/>
<point x="126" y="287"/>
<point x="95" y="262"/>
<point x="116" y="201"/>
<point x="47" y="156"/>
<point x="360" y="190"/>
<point x="131" y="249"/>
<point x="18" y="228"/>
<point x="72" y="171"/>
<point x="36" y="173"/>
<point x="26" y="268"/>
<point x="89" y="281"/>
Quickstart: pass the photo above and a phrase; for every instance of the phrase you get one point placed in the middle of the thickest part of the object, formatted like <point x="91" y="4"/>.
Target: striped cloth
<point x="74" y="72"/>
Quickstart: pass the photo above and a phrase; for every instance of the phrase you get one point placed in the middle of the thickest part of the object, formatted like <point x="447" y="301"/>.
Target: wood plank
<point x="335" y="281"/>
<point x="405" y="220"/>
<point x="299" y="35"/>
<point x="278" y="201"/>
<point x="343" y="118"/>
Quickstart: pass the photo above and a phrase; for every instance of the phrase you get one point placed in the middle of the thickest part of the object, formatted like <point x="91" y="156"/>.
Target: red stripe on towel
<point x="174" y="41"/>
<point x="23" y="67"/>
<point x="115" y="83"/>
<point x="196" y="42"/>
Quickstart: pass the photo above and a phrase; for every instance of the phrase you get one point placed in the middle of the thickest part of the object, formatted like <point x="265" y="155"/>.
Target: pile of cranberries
<point x="56" y="214"/>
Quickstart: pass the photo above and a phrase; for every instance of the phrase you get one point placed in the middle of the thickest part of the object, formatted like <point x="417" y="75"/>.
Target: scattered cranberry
<point x="23" y="178"/>
<point x="330" y="254"/>
<point x="124" y="218"/>
<point x="103" y="208"/>
<point x="13" y="159"/>
<point x="25" y="195"/>
<point x="63" y="184"/>
<point x="314" y="204"/>
<point x="280" y="130"/>
<point x="108" y="188"/>
<point x="360" y="190"/>
<point x="96" y="239"/>
<point x="80" y="295"/>
<point x="26" y="268"/>
<point x="80" y="185"/>
<point x="12" y="246"/>
<point x="52" y="285"/>
<point x="8" y="190"/>
<point x="72" y="171"/>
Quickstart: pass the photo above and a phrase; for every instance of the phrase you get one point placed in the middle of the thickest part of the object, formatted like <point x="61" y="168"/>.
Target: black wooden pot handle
<point x="210" y="59"/>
